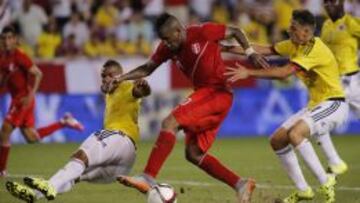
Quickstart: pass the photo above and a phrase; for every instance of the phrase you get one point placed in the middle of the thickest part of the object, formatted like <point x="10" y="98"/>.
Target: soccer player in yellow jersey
<point x="341" y="33"/>
<point x="315" y="65"/>
<point x="105" y="154"/>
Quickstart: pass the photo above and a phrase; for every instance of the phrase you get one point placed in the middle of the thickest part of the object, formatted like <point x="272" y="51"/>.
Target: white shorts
<point x="322" y="119"/>
<point x="351" y="86"/>
<point x="110" y="154"/>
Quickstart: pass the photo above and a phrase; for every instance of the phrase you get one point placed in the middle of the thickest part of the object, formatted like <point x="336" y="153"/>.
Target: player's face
<point x="9" y="41"/>
<point x="172" y="37"/>
<point x="334" y="7"/>
<point x="300" y="34"/>
<point x="107" y="74"/>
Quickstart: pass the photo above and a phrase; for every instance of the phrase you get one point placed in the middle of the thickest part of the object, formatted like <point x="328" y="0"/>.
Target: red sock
<point x="4" y="154"/>
<point x="213" y="167"/>
<point x="161" y="150"/>
<point x="48" y="130"/>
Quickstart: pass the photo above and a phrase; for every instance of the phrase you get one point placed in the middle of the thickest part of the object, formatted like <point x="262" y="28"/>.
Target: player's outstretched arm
<point x="266" y="50"/>
<point x="239" y="35"/>
<point x="240" y="72"/>
<point x="141" y="89"/>
<point x="139" y="72"/>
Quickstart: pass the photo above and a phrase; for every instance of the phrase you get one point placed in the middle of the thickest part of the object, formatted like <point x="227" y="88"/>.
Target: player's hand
<point x="259" y="60"/>
<point x="141" y="88"/>
<point x="113" y="84"/>
<point x="26" y="100"/>
<point x="238" y="73"/>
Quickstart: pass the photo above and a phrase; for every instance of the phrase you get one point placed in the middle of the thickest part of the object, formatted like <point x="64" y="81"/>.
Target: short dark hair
<point x="304" y="17"/>
<point x="161" y="20"/>
<point x="111" y="63"/>
<point x="8" y="29"/>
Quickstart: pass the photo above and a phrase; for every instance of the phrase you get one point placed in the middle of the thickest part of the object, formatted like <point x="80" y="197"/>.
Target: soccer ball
<point x="162" y="193"/>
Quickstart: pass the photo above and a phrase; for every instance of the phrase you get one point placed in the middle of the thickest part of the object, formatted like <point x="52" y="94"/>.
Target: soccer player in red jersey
<point x="196" y="52"/>
<point x="16" y="73"/>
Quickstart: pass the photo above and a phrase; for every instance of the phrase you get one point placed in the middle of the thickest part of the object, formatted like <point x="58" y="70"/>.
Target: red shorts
<point x="202" y="114"/>
<point x="19" y="116"/>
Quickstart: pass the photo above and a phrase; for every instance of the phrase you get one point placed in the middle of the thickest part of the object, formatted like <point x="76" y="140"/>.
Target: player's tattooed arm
<point x="261" y="49"/>
<point x="138" y="73"/>
<point x="141" y="89"/>
<point x="240" y="72"/>
<point x="239" y="35"/>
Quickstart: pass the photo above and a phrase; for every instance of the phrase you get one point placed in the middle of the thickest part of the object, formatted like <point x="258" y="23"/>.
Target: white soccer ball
<point x="162" y="193"/>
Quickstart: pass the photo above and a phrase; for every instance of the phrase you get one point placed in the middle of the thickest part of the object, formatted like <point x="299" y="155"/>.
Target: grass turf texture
<point x="247" y="156"/>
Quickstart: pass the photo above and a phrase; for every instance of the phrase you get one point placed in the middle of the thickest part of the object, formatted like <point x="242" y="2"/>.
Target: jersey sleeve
<point x="161" y="54"/>
<point x="283" y="48"/>
<point x="354" y="27"/>
<point x="24" y="60"/>
<point x="306" y="62"/>
<point x="213" y="31"/>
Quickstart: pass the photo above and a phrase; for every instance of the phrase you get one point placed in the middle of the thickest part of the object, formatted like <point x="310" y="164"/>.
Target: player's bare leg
<point x="161" y="150"/>
<point x="5" y="133"/>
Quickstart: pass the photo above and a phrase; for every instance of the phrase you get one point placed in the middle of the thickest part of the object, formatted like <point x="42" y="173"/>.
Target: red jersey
<point x="14" y="67"/>
<point x="200" y="55"/>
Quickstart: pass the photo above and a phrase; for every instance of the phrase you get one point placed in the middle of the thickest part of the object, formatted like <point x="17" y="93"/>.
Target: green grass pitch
<point x="247" y="156"/>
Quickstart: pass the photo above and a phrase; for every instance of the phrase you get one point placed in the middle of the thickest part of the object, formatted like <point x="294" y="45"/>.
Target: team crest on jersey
<point x="195" y="48"/>
<point x="342" y="27"/>
<point x="11" y="67"/>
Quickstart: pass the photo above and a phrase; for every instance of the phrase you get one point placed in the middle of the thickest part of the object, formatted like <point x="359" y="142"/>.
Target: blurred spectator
<point x="23" y="45"/>
<point x="143" y="46"/>
<point x="255" y="30"/>
<point x="139" y="26"/>
<point x="31" y="19"/>
<point x="202" y="8"/>
<point x="179" y="9"/>
<point x="68" y="47"/>
<point x="107" y="15"/>
<point x="61" y="10"/>
<point x="84" y="8"/>
<point x="91" y="47"/>
<point x="153" y="8"/>
<point x="353" y="7"/>
<point x="220" y="13"/>
<point x="125" y="11"/>
<point x="78" y="28"/>
<point x="48" y="41"/>
<point x="5" y="13"/>
<point x="283" y="11"/>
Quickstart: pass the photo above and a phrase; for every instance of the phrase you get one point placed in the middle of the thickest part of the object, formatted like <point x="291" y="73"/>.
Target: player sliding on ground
<point x="196" y="52"/>
<point x="16" y="72"/>
<point x="313" y="62"/>
<point x="106" y="153"/>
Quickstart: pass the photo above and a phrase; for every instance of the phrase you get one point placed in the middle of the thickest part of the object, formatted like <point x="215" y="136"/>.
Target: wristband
<point x="249" y="51"/>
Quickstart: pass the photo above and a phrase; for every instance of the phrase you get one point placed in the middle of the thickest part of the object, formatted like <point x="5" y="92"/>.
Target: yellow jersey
<point x="47" y="44"/>
<point x="256" y="33"/>
<point x="320" y="75"/>
<point x="122" y="110"/>
<point x="342" y="37"/>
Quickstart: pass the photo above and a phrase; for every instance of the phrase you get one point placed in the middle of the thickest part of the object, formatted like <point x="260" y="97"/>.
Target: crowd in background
<point x="106" y="28"/>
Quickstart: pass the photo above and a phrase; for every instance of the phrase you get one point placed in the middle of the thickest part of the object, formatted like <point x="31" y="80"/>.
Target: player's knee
<point x="193" y="154"/>
<point x="169" y="123"/>
<point x="279" y="139"/>
<point x="295" y="136"/>
<point x="81" y="155"/>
